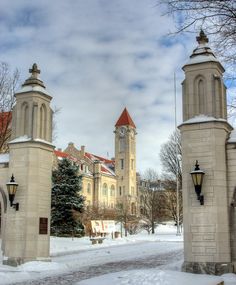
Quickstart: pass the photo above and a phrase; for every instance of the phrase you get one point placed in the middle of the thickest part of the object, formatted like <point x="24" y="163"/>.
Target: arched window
<point x="133" y="209"/>
<point x="112" y="190"/>
<point x="218" y="99"/>
<point x="200" y="95"/>
<point x="88" y="188"/>
<point x="43" y="121"/>
<point x="25" y="119"/>
<point x="104" y="189"/>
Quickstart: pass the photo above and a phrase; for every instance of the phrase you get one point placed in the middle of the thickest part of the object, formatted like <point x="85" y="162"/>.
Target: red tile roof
<point x="62" y="154"/>
<point x="105" y="162"/>
<point x="125" y="120"/>
<point x="103" y="169"/>
<point x="59" y="153"/>
<point x="93" y="156"/>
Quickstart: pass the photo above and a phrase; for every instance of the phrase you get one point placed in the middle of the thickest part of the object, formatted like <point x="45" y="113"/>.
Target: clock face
<point x="122" y="131"/>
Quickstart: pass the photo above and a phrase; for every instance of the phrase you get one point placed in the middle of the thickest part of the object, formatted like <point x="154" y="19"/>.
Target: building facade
<point x="108" y="182"/>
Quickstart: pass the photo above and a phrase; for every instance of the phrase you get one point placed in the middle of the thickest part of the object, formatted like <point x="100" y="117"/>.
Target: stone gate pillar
<point x="27" y="231"/>
<point x="204" y="134"/>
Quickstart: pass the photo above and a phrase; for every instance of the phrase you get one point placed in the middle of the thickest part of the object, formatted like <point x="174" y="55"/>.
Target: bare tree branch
<point x="8" y="84"/>
<point x="171" y="161"/>
<point x="216" y="18"/>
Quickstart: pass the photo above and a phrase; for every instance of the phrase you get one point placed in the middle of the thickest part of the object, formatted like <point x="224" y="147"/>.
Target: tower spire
<point x="125" y="119"/>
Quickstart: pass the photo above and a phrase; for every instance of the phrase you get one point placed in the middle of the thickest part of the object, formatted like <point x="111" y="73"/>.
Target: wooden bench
<point x="96" y="240"/>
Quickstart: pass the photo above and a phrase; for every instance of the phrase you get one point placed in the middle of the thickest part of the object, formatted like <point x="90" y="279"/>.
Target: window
<point x="133" y="209"/>
<point x="43" y="121"/>
<point x="89" y="188"/>
<point x="25" y="116"/>
<point x="104" y="189"/>
<point x="120" y="190"/>
<point x="201" y="94"/>
<point x="112" y="190"/>
<point x="132" y="164"/>
<point x="122" y="163"/>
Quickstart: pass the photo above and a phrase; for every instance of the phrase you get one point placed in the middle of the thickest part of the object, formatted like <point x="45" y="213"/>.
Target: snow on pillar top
<point x="202" y="53"/>
<point x="33" y="83"/>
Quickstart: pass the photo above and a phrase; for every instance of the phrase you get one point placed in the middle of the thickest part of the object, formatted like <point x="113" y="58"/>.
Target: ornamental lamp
<point x="11" y="189"/>
<point x="197" y="177"/>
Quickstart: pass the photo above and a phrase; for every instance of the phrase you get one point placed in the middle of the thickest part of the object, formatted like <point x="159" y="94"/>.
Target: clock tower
<point x="125" y="161"/>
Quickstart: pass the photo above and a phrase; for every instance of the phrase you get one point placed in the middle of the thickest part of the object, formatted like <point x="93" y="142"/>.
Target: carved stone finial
<point x="202" y="38"/>
<point x="34" y="70"/>
<point x="33" y="79"/>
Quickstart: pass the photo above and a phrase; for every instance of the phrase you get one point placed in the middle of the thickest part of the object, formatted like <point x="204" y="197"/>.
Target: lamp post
<point x="11" y="189"/>
<point x="197" y="177"/>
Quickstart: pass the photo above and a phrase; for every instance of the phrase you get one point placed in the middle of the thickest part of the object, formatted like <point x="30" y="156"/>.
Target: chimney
<point x="82" y="150"/>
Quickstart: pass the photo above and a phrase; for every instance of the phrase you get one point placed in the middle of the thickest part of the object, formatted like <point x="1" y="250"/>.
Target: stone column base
<point x="15" y="261"/>
<point x="212" y="268"/>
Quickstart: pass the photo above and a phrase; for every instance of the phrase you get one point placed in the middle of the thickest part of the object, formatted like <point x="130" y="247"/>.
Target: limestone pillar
<point x="204" y="133"/>
<point x="27" y="231"/>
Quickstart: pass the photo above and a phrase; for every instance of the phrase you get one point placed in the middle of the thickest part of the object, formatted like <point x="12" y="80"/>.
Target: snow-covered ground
<point x="70" y="255"/>
<point x="158" y="277"/>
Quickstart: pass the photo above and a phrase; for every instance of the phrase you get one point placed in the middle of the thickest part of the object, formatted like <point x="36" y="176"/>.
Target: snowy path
<point x="99" y="261"/>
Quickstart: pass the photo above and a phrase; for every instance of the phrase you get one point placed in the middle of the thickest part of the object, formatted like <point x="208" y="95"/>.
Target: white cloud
<point x="96" y="57"/>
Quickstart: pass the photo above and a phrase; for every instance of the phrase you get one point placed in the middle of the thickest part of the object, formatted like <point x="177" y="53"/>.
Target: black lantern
<point x="197" y="176"/>
<point x="11" y="189"/>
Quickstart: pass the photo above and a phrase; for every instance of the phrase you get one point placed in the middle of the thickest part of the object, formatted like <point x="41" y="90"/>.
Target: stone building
<point x="108" y="182"/>
<point x="209" y="217"/>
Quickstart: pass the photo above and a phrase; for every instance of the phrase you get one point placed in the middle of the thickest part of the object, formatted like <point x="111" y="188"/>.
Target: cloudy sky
<point x="97" y="57"/>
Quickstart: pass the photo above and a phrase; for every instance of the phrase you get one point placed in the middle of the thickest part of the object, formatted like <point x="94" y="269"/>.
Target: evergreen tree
<point x="67" y="201"/>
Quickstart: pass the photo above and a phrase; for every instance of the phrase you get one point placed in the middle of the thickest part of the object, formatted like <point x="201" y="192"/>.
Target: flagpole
<point x="176" y="162"/>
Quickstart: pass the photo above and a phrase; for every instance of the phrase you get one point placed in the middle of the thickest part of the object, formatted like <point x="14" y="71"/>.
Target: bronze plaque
<point x="43" y="226"/>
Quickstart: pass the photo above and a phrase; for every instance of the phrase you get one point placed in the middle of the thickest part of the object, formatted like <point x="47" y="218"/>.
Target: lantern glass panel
<point x="194" y="178"/>
<point x="11" y="188"/>
<point x="199" y="179"/>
